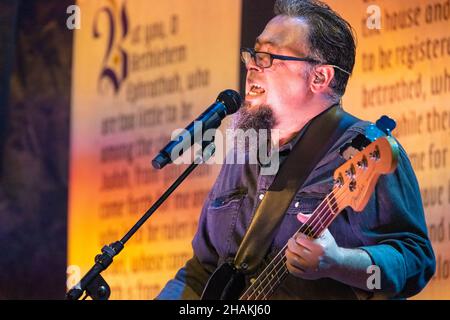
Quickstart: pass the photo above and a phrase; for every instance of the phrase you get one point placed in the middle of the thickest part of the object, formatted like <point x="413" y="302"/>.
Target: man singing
<point x="297" y="70"/>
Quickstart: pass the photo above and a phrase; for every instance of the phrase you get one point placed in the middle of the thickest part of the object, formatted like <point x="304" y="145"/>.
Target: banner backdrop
<point x="403" y="70"/>
<point x="142" y="69"/>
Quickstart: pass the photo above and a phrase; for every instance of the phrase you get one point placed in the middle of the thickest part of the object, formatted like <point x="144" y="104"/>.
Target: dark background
<point x="35" y="71"/>
<point x="35" y="92"/>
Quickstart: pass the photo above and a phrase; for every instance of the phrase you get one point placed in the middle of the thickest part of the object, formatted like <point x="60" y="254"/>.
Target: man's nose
<point x="251" y="65"/>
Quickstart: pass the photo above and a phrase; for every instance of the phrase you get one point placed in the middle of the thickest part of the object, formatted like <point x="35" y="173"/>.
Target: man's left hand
<point x="310" y="258"/>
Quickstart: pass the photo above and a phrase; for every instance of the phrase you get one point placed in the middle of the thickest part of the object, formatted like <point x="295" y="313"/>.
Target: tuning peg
<point x="386" y="124"/>
<point x="338" y="182"/>
<point x="375" y="155"/>
<point x="362" y="164"/>
<point x="350" y="172"/>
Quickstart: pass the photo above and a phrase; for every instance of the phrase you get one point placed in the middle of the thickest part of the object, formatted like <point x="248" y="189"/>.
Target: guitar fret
<point x="330" y="210"/>
<point x="332" y="204"/>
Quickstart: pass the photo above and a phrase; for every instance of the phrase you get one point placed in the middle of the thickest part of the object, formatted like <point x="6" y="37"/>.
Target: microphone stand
<point x="93" y="284"/>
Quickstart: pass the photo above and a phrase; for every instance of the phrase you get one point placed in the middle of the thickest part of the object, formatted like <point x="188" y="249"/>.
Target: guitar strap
<point x="322" y="132"/>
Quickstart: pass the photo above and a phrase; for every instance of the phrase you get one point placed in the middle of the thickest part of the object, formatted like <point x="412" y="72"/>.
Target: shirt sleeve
<point x="393" y="230"/>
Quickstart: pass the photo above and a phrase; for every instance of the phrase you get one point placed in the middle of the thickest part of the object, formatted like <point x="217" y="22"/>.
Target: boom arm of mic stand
<point x="93" y="283"/>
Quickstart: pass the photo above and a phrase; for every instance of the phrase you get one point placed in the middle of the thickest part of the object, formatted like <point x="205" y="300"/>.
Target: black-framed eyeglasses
<point x="265" y="59"/>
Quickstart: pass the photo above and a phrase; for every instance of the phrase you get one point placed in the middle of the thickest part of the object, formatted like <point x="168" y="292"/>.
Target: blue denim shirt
<point x="391" y="228"/>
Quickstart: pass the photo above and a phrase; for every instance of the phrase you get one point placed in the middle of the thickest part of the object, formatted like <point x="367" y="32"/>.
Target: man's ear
<point x="321" y="78"/>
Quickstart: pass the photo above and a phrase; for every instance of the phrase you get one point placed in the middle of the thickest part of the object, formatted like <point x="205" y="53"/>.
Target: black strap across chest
<point x="319" y="137"/>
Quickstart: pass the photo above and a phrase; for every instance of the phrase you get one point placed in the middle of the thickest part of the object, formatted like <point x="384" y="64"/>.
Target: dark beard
<point x="260" y="118"/>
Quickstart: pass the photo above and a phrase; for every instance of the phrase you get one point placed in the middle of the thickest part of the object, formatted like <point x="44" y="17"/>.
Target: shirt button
<point x="261" y="196"/>
<point x="297" y="204"/>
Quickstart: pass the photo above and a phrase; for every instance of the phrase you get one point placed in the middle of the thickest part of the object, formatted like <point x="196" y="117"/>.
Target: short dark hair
<point x="331" y="38"/>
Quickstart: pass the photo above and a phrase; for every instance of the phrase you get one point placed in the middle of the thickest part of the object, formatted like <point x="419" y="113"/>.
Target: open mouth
<point x="255" y="90"/>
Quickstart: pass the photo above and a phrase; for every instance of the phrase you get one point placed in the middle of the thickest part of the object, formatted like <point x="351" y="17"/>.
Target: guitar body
<point x="226" y="283"/>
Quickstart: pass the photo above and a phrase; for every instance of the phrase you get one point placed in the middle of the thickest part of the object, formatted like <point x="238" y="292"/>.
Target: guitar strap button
<point x="243" y="266"/>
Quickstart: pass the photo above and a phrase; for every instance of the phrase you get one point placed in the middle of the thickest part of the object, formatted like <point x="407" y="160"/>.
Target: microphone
<point x="228" y="102"/>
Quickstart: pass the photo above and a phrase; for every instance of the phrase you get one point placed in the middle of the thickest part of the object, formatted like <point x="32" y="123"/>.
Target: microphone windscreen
<point x="231" y="99"/>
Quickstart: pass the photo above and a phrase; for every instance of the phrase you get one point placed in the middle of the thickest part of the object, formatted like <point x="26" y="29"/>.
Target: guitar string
<point x="283" y="265"/>
<point x="286" y="271"/>
<point x="283" y="269"/>
<point x="321" y="209"/>
<point x="320" y="215"/>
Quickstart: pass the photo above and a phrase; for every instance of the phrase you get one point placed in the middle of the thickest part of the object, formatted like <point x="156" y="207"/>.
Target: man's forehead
<point x="273" y="42"/>
<point x="284" y="32"/>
